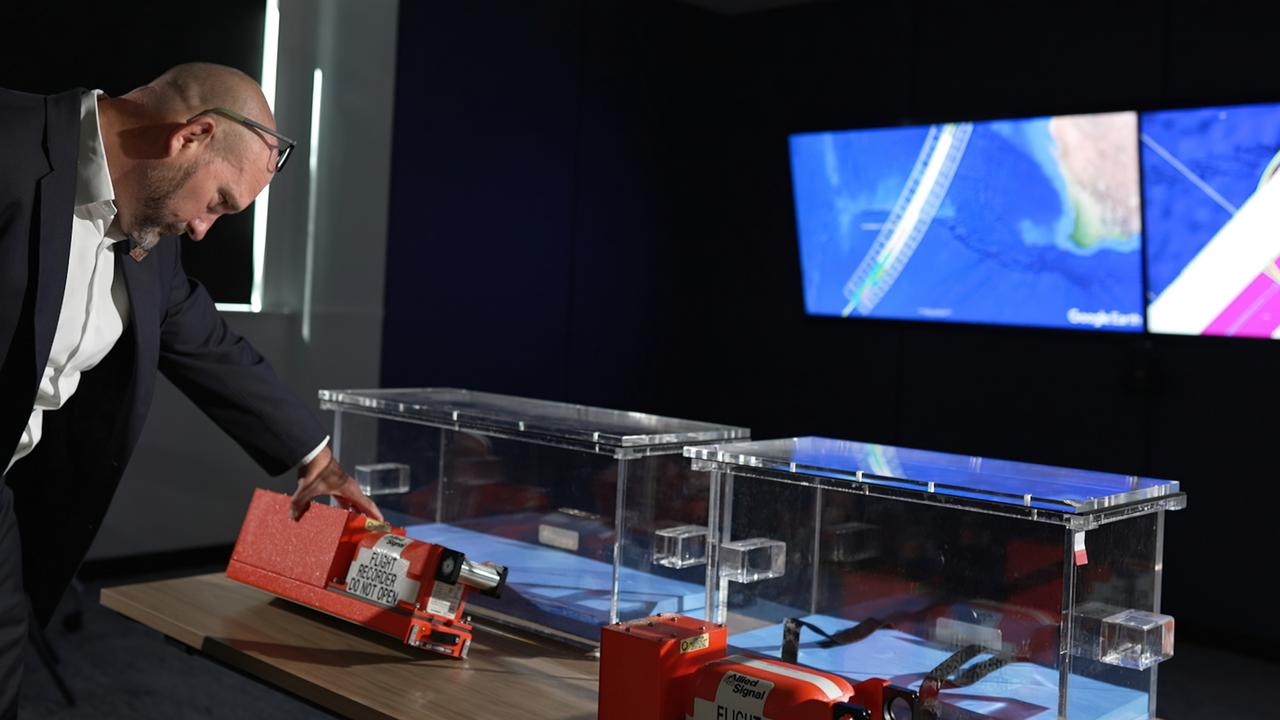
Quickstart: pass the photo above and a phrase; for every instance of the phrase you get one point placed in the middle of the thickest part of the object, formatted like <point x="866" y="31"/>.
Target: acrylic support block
<point x="1129" y="638"/>
<point x="850" y="542"/>
<point x="680" y="547"/>
<point x="1133" y="639"/>
<point x="753" y="560"/>
<point x="386" y="478"/>
<point x="906" y="557"/>
<point x="568" y="497"/>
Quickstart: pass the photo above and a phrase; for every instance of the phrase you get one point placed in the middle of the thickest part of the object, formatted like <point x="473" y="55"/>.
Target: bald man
<point x="93" y="302"/>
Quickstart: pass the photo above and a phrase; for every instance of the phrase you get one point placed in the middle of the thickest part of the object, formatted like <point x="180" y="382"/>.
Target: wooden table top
<point x="357" y="672"/>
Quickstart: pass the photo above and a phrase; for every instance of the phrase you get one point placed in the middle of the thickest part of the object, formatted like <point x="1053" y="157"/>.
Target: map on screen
<point x="1032" y="222"/>
<point x="1212" y="220"/>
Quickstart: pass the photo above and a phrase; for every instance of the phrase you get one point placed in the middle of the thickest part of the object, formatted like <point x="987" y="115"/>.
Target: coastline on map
<point x="1098" y="157"/>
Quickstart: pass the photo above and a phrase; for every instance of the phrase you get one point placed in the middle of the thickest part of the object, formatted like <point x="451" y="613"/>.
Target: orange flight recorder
<point x="673" y="667"/>
<point x="350" y="566"/>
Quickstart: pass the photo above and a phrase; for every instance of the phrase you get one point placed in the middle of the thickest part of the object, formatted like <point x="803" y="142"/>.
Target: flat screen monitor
<point x="1212" y="220"/>
<point x="1032" y="222"/>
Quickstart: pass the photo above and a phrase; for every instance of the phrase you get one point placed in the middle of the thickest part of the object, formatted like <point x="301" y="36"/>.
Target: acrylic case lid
<point x="591" y="428"/>
<point x="1039" y="492"/>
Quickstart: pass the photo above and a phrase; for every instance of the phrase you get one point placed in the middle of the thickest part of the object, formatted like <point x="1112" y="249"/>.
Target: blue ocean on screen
<point x="1002" y="222"/>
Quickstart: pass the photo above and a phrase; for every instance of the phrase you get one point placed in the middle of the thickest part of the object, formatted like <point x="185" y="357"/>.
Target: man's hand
<point x="324" y="476"/>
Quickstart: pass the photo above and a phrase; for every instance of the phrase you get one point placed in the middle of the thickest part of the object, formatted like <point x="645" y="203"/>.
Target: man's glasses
<point x="283" y="149"/>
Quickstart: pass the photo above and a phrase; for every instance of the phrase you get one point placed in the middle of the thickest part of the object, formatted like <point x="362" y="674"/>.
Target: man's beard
<point x="160" y="183"/>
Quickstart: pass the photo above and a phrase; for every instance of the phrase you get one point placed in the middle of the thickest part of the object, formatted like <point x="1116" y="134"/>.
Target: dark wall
<point x="591" y="202"/>
<point x="479" y="263"/>
<point x="546" y="189"/>
<point x="58" y="45"/>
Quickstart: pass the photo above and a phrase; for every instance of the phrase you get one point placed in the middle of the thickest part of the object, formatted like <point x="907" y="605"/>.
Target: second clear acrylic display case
<point x="594" y="511"/>
<point x="997" y="589"/>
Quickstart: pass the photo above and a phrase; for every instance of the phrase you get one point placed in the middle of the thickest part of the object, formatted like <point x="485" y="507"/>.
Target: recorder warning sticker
<point x="379" y="574"/>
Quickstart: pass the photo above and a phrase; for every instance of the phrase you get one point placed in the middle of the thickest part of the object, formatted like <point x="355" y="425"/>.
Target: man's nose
<point x="198" y="227"/>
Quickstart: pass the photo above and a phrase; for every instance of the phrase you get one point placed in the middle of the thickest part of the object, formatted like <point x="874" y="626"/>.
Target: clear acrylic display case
<point x="594" y="512"/>
<point x="996" y="589"/>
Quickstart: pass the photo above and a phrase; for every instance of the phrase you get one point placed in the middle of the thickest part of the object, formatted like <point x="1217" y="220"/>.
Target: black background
<point x="54" y="46"/>
<point x="591" y="202"/>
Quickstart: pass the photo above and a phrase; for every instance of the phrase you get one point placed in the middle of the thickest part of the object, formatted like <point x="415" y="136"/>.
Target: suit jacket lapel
<point x="57" y="198"/>
<point x="144" y="303"/>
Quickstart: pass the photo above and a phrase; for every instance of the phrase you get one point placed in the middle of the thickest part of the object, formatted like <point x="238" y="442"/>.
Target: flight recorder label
<point x="380" y="575"/>
<point x="738" y="697"/>
<point x="701" y="642"/>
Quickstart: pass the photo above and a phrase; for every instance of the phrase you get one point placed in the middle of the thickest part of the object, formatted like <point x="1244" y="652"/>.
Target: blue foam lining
<point x="1018" y="691"/>
<point x="562" y="584"/>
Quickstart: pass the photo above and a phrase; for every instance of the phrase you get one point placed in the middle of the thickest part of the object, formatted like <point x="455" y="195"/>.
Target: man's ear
<point x="191" y="137"/>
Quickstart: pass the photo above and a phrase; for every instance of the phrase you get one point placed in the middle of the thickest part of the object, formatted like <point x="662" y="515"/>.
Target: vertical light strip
<point x="313" y="166"/>
<point x="270" y="54"/>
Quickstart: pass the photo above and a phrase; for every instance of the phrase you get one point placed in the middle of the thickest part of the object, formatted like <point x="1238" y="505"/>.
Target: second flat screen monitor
<point x="1014" y="222"/>
<point x="1213" y="220"/>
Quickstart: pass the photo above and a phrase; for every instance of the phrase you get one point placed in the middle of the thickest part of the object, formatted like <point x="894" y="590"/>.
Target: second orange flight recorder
<point x="350" y="566"/>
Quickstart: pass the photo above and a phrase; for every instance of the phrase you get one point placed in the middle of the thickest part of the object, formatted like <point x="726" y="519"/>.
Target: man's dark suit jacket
<point x="64" y="486"/>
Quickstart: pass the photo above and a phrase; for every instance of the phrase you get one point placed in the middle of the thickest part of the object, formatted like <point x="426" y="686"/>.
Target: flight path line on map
<point x="1189" y="174"/>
